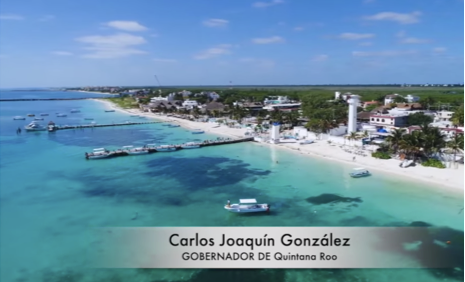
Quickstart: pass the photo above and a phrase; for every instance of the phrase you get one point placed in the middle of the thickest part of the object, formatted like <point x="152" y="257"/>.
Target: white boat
<point x="19" y="118"/>
<point x="406" y="163"/>
<point x="247" y="206"/>
<point x="99" y="153"/>
<point x="190" y="145"/>
<point x="61" y="115"/>
<point x="38" y="118"/>
<point x="135" y="151"/>
<point x="359" y="172"/>
<point x="34" y="126"/>
<point x="165" y="148"/>
<point x="198" y="131"/>
<point x="173" y="125"/>
<point x="303" y="142"/>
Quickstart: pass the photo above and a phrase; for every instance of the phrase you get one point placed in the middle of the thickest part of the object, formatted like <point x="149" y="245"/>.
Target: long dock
<point x="58" y="127"/>
<point x="206" y="143"/>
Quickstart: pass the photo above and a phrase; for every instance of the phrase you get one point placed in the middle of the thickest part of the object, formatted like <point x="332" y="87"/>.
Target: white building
<point x="274" y="133"/>
<point x="389" y="120"/>
<point x="189" y="104"/>
<point x="168" y="98"/>
<point x="443" y="116"/>
<point x="353" y="102"/>
<point x="411" y="99"/>
<point x="277" y="100"/>
<point x="389" y="99"/>
<point x="185" y="93"/>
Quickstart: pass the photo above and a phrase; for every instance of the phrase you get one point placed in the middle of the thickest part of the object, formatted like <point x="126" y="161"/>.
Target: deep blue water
<point x="50" y="196"/>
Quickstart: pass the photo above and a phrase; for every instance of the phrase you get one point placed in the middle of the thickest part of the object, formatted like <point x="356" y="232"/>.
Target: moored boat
<point x="38" y="118"/>
<point x="359" y="172"/>
<point x="44" y="114"/>
<point x="135" y="151"/>
<point x="165" y="148"/>
<point x="173" y="125"/>
<point x="198" y="131"/>
<point x="19" y="118"/>
<point x="61" y="115"/>
<point x="190" y="145"/>
<point x="34" y="126"/>
<point x="31" y="115"/>
<point x="75" y="111"/>
<point x="109" y="111"/>
<point x="247" y="206"/>
<point x="99" y="153"/>
<point x="303" y="142"/>
<point x="88" y="119"/>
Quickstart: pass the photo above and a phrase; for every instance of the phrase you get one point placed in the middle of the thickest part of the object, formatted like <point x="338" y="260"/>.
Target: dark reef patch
<point x="332" y="198"/>
<point x="204" y="172"/>
<point x="102" y="137"/>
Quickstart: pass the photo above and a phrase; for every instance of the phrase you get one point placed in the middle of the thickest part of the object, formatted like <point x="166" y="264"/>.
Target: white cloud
<point x="165" y="60"/>
<point x="264" y="63"/>
<point x="413" y="40"/>
<point x="268" y="40"/>
<point x="396" y="17"/>
<point x="47" y="18"/>
<point x="219" y="50"/>
<point x="62" y="53"/>
<point x="355" y="36"/>
<point x="112" y="46"/>
<point x="11" y="17"/>
<point x="215" y="23"/>
<point x="320" y="58"/>
<point x="298" y="28"/>
<point x="439" y="49"/>
<point x="382" y="53"/>
<point x="126" y="25"/>
<point x="366" y="44"/>
<point x="267" y="4"/>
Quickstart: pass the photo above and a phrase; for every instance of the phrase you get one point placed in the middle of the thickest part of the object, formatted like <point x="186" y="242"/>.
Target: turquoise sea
<point x="50" y="196"/>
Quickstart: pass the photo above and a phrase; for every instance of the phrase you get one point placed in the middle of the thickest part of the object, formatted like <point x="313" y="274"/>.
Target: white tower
<point x="353" y="102"/>
<point x="274" y="133"/>
<point x="337" y="95"/>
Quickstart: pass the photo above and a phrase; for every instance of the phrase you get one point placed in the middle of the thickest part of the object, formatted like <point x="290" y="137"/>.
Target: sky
<point x="64" y="43"/>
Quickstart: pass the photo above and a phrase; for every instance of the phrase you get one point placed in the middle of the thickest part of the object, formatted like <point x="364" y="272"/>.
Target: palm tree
<point x="395" y="138"/>
<point x="456" y="144"/>
<point x="353" y="136"/>
<point x="411" y="144"/>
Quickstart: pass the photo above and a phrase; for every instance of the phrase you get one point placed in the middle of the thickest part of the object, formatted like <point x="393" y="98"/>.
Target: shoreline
<point x="93" y="92"/>
<point x="448" y="178"/>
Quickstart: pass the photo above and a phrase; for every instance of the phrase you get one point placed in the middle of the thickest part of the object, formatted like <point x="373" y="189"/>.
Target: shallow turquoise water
<point x="50" y="196"/>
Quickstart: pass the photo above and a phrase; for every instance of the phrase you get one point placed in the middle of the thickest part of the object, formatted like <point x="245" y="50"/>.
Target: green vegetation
<point x="419" y="119"/>
<point x="381" y="155"/>
<point x="457" y="117"/>
<point x="124" y="102"/>
<point x="433" y="163"/>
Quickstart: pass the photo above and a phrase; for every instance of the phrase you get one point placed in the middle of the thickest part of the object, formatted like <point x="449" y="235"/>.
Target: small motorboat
<point x="51" y="126"/>
<point x="43" y="114"/>
<point x="34" y="126"/>
<point x="19" y="118"/>
<point x="61" y="115"/>
<point x="303" y="142"/>
<point x="109" y="111"/>
<point x="99" y="153"/>
<point x="198" y="131"/>
<point x="75" y="111"/>
<point x="135" y="151"/>
<point x="173" y="125"/>
<point x="359" y="172"/>
<point x="165" y="148"/>
<point x="190" y="145"/>
<point x="38" y="118"/>
<point x="406" y="163"/>
<point x="31" y="115"/>
<point x="247" y="206"/>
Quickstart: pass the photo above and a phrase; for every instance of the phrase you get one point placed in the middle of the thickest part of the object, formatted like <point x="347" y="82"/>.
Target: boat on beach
<point x="198" y="131"/>
<point x="99" y="153"/>
<point x="359" y="172"/>
<point x="190" y="145"/>
<point x="247" y="206"/>
<point x="165" y="148"/>
<point x="135" y="151"/>
<point x="303" y="142"/>
<point x="34" y="126"/>
<point x="19" y="118"/>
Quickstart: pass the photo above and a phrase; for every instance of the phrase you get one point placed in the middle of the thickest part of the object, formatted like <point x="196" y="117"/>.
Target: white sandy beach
<point x="447" y="178"/>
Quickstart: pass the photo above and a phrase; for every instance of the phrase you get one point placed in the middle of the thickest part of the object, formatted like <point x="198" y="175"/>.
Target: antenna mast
<point x="159" y="85"/>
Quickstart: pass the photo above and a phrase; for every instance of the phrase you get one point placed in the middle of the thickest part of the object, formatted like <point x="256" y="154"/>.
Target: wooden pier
<point x="58" y="127"/>
<point x="206" y="143"/>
